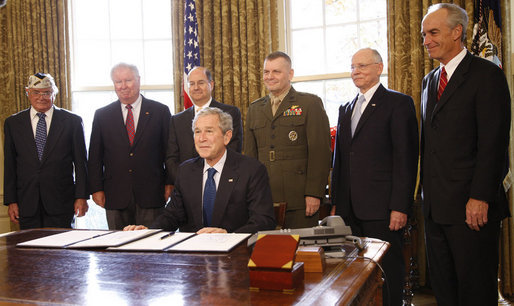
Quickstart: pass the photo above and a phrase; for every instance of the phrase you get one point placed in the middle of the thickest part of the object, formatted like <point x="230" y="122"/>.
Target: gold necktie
<point x="198" y="109"/>
<point x="274" y="105"/>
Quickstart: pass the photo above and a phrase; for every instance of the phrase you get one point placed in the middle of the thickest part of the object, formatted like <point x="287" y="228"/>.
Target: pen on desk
<point x="167" y="235"/>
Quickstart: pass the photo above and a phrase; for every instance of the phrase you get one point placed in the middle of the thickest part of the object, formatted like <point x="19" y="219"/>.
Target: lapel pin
<point x="373" y="105"/>
<point x="147" y="113"/>
<point x="230" y="180"/>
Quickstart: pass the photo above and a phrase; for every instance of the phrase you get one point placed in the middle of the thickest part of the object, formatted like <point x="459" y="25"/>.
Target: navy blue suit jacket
<point x="59" y="178"/>
<point x="375" y="171"/>
<point x="243" y="199"/>
<point x="181" y="146"/>
<point x="464" y="142"/>
<point x="123" y="171"/>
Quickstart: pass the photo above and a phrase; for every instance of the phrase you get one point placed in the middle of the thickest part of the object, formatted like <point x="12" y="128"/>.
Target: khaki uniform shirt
<point x="294" y="145"/>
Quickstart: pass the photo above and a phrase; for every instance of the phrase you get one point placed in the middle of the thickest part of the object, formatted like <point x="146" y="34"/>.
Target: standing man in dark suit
<point x="127" y="153"/>
<point x="221" y="191"/>
<point x="375" y="165"/>
<point x="288" y="132"/>
<point x="465" y="112"/>
<point x="45" y="178"/>
<point x="181" y="145"/>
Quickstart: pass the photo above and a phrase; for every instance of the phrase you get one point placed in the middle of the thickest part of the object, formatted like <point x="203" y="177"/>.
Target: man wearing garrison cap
<point x="45" y="161"/>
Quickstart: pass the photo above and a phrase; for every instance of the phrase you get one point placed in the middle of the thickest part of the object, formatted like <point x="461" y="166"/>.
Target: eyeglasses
<point x="361" y="66"/>
<point x="44" y="94"/>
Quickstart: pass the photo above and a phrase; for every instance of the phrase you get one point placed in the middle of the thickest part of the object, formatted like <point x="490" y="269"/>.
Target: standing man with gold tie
<point x="181" y="145"/>
<point x="288" y="131"/>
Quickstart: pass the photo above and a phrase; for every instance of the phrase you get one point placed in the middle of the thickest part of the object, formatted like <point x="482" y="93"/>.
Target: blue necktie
<point x="357" y="113"/>
<point x="209" y="195"/>
<point x="41" y="134"/>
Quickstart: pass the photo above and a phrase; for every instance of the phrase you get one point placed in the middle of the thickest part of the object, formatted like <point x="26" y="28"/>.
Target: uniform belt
<point x="273" y="155"/>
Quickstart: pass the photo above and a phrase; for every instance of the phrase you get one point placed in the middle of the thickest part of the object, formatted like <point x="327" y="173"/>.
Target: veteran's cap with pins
<point x="41" y="80"/>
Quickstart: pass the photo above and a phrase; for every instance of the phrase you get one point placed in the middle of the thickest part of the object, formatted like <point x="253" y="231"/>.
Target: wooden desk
<point x="121" y="278"/>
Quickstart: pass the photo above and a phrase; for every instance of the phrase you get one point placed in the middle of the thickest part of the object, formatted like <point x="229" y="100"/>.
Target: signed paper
<point x="154" y="242"/>
<point x="63" y="239"/>
<point x="210" y="243"/>
<point x="116" y="238"/>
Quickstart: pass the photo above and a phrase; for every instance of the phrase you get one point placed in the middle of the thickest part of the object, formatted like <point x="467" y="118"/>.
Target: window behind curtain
<point x="104" y="33"/>
<point x="322" y="37"/>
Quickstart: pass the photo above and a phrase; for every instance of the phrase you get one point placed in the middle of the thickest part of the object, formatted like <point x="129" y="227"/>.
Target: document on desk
<point x="155" y="242"/>
<point x="115" y="238"/>
<point x="210" y="243"/>
<point x="62" y="240"/>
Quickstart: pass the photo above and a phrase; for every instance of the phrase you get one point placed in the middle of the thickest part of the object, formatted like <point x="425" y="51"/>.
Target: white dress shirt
<point x="453" y="63"/>
<point x="367" y="95"/>
<point x="34" y="118"/>
<point x="219" y="168"/>
<point x="136" y="109"/>
<point x="199" y="108"/>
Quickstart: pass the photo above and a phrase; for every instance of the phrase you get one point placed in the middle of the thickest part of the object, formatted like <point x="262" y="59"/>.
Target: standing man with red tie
<point x="465" y="113"/>
<point x="127" y="153"/>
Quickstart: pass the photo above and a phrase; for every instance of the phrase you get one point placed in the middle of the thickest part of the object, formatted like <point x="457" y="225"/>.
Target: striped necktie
<point x="129" y="123"/>
<point x="443" y="80"/>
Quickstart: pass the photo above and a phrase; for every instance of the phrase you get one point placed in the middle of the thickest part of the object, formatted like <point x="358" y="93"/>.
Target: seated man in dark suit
<point x="181" y="146"/>
<point x="236" y="195"/>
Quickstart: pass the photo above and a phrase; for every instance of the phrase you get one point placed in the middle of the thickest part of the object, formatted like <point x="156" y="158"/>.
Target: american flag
<point x="487" y="35"/>
<point x="191" y="46"/>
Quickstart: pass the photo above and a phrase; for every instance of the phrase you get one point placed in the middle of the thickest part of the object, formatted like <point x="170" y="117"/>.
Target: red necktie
<point x="129" y="123"/>
<point x="443" y="80"/>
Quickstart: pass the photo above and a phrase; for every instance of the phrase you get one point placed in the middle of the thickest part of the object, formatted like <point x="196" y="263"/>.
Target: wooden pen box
<point x="272" y="264"/>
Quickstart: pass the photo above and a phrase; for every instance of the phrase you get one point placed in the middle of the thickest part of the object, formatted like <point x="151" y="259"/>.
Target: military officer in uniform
<point x="288" y="131"/>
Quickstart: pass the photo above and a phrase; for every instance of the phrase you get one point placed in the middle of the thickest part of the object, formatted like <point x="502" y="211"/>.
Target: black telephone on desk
<point x="332" y="231"/>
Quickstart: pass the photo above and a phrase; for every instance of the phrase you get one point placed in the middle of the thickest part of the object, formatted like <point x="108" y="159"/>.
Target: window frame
<point x="103" y="88"/>
<point x="286" y="44"/>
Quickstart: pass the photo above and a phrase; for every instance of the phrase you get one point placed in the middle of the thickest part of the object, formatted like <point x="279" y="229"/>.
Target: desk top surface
<point x="64" y="276"/>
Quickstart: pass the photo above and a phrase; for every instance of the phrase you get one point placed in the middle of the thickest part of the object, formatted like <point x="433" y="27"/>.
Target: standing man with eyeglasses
<point x="288" y="132"/>
<point x="127" y="152"/>
<point x="375" y="165"/>
<point x="181" y="146"/>
<point x="45" y="174"/>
